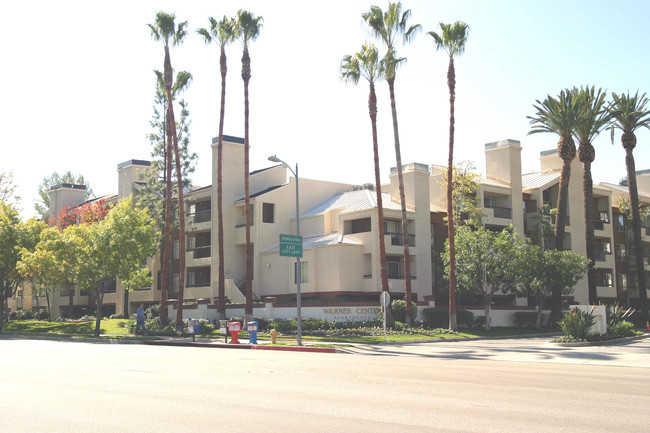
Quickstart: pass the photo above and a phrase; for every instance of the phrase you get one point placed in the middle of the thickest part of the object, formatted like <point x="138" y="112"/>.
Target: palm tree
<point x="451" y="39"/>
<point x="558" y="116"/>
<point x="592" y="118"/>
<point x="247" y="29"/>
<point x="367" y="64"/>
<point x="223" y="33"/>
<point x="165" y="29"/>
<point x="390" y="27"/>
<point x="629" y="113"/>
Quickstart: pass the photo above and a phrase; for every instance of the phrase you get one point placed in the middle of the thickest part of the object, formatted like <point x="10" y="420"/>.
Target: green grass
<point x="113" y="327"/>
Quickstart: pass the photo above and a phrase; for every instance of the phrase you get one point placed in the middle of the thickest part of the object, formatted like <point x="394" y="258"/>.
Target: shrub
<point x="152" y="311"/>
<point x="526" y="319"/>
<point x="616" y="314"/>
<point x="42" y="314"/>
<point x="465" y="319"/>
<point x="621" y="329"/>
<point x="399" y="310"/>
<point x="479" y="322"/>
<point x="576" y="323"/>
<point x="436" y="317"/>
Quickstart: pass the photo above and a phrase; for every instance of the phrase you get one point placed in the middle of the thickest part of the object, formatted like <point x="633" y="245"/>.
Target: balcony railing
<point x="599" y="256"/>
<point x="397" y="239"/>
<point x="201" y="252"/>
<point x="201" y="216"/>
<point x="599" y="225"/>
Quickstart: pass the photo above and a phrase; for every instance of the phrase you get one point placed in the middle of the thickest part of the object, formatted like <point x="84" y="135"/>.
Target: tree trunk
<point x="451" y="82"/>
<point x="636" y="229"/>
<point x="372" y="107"/>
<point x="587" y="187"/>
<point x="246" y="74"/>
<point x="221" y="305"/>
<point x="164" y="283"/>
<point x="99" y="296"/>
<point x="181" y="217"/>
<point x="488" y="308"/>
<point x="402" y="200"/>
<point x="560" y="223"/>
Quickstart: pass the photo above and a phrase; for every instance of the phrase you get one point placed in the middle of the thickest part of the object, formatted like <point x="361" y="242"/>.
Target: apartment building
<point x="338" y="223"/>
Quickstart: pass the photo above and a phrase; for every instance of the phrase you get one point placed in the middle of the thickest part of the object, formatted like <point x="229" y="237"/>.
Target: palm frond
<point x="629" y="113"/>
<point x="248" y="26"/>
<point x="555" y="115"/>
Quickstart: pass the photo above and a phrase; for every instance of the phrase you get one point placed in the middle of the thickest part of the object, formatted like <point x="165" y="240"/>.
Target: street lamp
<point x="298" y="270"/>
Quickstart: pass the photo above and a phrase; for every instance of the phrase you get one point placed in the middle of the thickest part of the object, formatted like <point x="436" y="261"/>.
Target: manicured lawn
<point x="108" y="326"/>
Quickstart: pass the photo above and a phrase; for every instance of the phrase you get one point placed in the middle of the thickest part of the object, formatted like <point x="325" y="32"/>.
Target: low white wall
<point x="335" y="312"/>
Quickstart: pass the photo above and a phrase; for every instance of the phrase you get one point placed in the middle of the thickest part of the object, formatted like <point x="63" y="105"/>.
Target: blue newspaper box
<point x="252" y="332"/>
<point x="193" y="327"/>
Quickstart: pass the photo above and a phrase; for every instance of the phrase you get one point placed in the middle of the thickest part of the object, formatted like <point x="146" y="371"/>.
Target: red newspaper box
<point x="234" y="328"/>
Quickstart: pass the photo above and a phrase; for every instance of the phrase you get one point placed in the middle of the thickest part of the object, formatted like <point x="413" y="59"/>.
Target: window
<point x="176" y="283"/>
<point x="176" y="249"/>
<point x="394" y="266"/>
<point x="604" y="216"/>
<point x="621" y="253"/>
<point x="361" y="225"/>
<point x="621" y="282"/>
<point x="392" y="227"/>
<point x="489" y="202"/>
<point x="304" y="273"/>
<point x="268" y="212"/>
<point x="619" y="222"/>
<point x="607" y="247"/>
<point x="604" y="279"/>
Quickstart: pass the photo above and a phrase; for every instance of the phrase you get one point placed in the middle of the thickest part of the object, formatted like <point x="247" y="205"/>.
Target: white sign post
<point x="384" y="300"/>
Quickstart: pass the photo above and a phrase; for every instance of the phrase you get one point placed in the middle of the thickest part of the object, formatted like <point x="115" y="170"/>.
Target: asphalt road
<point x="483" y="386"/>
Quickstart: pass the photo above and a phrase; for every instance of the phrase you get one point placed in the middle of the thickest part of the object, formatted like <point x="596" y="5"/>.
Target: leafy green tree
<point x="485" y="263"/>
<point x="592" y="119"/>
<point x="630" y="113"/>
<point x="165" y="29"/>
<point x="14" y="235"/>
<point x="540" y="272"/>
<point x="451" y="39"/>
<point x="223" y="33"/>
<point x="367" y="64"/>
<point x="115" y="248"/>
<point x="247" y="29"/>
<point x="42" y="206"/>
<point x="465" y="205"/>
<point x="8" y="187"/>
<point x="558" y="116"/>
<point x="47" y="267"/>
<point x="390" y="27"/>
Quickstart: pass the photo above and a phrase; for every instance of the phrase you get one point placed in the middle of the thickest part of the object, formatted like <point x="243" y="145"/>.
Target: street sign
<point x="384" y="299"/>
<point x="290" y="246"/>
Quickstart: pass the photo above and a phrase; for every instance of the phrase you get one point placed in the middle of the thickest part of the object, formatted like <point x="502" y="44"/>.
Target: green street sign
<point x="290" y="246"/>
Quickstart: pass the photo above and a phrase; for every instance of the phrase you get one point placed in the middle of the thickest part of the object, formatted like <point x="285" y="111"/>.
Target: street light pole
<point x="298" y="270"/>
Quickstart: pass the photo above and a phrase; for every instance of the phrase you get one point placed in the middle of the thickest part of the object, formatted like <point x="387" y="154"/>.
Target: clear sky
<point x="78" y="84"/>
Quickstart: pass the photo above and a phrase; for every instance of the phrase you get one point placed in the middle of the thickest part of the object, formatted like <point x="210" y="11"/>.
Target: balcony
<point x="600" y="256"/>
<point x="200" y="252"/>
<point x="200" y="216"/>
<point x="397" y="239"/>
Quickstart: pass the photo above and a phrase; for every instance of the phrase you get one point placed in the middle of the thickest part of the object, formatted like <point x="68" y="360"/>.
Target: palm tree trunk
<point x="246" y="74"/>
<point x="402" y="199"/>
<point x="164" y="283"/>
<point x="372" y="107"/>
<point x="181" y="217"/>
<point x="636" y="229"/>
<point x="587" y="186"/>
<point x="221" y="306"/>
<point x="451" y="82"/>
<point x="560" y="223"/>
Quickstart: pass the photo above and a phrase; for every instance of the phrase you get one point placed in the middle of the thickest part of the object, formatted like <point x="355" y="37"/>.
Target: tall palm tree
<point x="629" y="113"/>
<point x="223" y="33"/>
<point x="451" y="39"/>
<point x="558" y="116"/>
<point x="592" y="118"/>
<point x="391" y="27"/>
<point x="367" y="64"/>
<point x="165" y="29"/>
<point x="248" y="29"/>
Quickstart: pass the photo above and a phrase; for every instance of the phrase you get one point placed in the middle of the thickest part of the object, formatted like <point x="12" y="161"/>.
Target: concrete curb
<point x="239" y="346"/>
<point x="612" y="342"/>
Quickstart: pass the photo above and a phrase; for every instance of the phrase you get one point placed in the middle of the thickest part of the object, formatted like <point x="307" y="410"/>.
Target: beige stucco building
<point x="338" y="223"/>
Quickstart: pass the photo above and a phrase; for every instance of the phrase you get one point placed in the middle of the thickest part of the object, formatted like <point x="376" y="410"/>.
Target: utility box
<point x="234" y="328"/>
<point x="252" y="332"/>
<point x="599" y="312"/>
